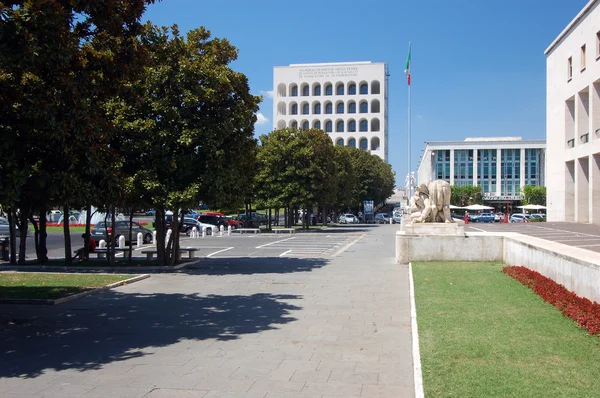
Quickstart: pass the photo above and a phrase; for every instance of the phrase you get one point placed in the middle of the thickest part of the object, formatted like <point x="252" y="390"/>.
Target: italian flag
<point x="407" y="69"/>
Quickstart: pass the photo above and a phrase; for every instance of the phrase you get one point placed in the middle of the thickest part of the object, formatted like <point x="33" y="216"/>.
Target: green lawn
<point x="32" y="285"/>
<point x="61" y="229"/>
<point x="483" y="334"/>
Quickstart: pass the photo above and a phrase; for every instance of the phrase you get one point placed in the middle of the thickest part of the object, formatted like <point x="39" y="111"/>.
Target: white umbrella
<point x="478" y="207"/>
<point x="452" y="207"/>
<point x="532" y="207"/>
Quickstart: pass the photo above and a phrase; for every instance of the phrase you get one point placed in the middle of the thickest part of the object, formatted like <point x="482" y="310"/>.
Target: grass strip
<point x="41" y="285"/>
<point x="483" y="334"/>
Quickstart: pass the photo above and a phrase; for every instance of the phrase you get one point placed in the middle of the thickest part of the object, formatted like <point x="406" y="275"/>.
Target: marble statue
<point x="431" y="203"/>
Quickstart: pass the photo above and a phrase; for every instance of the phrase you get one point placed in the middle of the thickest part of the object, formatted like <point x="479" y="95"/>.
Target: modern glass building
<point x="501" y="166"/>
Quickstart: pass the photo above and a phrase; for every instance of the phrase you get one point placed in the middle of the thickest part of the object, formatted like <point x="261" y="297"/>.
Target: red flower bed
<point x="583" y="311"/>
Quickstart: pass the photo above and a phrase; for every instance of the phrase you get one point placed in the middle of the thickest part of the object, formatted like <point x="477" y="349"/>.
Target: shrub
<point x="583" y="311"/>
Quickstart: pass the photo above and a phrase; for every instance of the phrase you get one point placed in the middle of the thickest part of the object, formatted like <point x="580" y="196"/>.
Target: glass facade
<point x="511" y="172"/>
<point x="463" y="167"/>
<point x="442" y="162"/>
<point x="486" y="170"/>
<point x="533" y="172"/>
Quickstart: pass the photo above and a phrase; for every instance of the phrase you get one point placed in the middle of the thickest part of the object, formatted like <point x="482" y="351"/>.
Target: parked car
<point x="150" y="212"/>
<point x="189" y="224"/>
<point x="381" y="218"/>
<point x="498" y="217"/>
<point x="397" y="217"/>
<point x="122" y="228"/>
<point x="518" y="218"/>
<point x="457" y="215"/>
<point x="256" y="219"/>
<point x="348" y="219"/>
<point x="539" y="216"/>
<point x="234" y="222"/>
<point x="4" y="229"/>
<point x="485" y="217"/>
<point x="213" y="218"/>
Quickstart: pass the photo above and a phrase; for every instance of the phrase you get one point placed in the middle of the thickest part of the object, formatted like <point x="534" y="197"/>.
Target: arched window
<point x="375" y="143"/>
<point x="339" y="90"/>
<point x="281" y="90"/>
<point x="352" y="89"/>
<point x="328" y="89"/>
<point x="375" y="87"/>
<point x="375" y="106"/>
<point x="339" y="108"/>
<point x="305" y="125"/>
<point x="364" y="107"/>
<point x="317" y="89"/>
<point x="363" y="126"/>
<point x="294" y="91"/>
<point x="281" y="108"/>
<point x="305" y="91"/>
<point x="352" y="107"/>
<point x="294" y="124"/>
<point x="305" y="109"/>
<point x="339" y="142"/>
<point x="339" y="126"/>
<point x="351" y="126"/>
<point x="375" y="124"/>
<point x="328" y="126"/>
<point x="352" y="143"/>
<point x="317" y="124"/>
<point x="294" y="109"/>
<point x="317" y="109"/>
<point x="329" y="108"/>
<point x="280" y="124"/>
<point x="364" y="144"/>
<point x="364" y="88"/>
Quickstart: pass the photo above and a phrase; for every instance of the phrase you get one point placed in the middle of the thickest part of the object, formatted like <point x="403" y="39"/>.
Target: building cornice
<point x="570" y="26"/>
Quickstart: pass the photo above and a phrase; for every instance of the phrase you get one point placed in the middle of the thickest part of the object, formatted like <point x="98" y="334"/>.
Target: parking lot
<point x="585" y="236"/>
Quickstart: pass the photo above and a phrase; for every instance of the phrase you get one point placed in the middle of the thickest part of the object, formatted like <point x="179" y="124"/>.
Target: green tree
<point x="347" y="184"/>
<point x="59" y="61"/>
<point x="187" y="126"/>
<point x="465" y="195"/>
<point x="534" y="195"/>
<point x="376" y="180"/>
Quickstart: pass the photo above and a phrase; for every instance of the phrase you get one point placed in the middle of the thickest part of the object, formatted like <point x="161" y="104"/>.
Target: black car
<point x="99" y="231"/>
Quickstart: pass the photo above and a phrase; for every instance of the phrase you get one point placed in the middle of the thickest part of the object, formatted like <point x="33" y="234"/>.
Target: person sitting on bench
<point x="91" y="247"/>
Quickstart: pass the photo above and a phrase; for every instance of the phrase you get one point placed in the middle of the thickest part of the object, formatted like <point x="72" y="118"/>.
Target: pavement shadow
<point x="254" y="265"/>
<point x="114" y="326"/>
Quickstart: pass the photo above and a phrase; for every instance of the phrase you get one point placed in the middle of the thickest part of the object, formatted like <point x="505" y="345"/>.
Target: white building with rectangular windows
<point x="347" y="100"/>
<point x="573" y="119"/>
<point x="501" y="166"/>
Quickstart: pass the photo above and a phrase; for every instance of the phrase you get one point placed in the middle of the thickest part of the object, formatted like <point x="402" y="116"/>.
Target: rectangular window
<point x="583" y="58"/>
<point x="570" y="68"/>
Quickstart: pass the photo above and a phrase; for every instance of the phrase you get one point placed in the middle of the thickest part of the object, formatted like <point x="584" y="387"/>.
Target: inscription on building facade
<point x="326" y="72"/>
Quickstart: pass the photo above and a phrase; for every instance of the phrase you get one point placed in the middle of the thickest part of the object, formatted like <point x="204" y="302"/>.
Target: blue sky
<point x="478" y="66"/>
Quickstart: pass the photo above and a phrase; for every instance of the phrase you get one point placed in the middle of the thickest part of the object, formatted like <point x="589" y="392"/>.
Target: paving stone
<point x="108" y="391"/>
<point x="67" y="389"/>
<point x="388" y="391"/>
<point x="175" y="393"/>
<point x="333" y="389"/>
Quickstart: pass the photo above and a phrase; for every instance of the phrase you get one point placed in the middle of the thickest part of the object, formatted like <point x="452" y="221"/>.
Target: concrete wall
<point x="576" y="269"/>
<point x="573" y="119"/>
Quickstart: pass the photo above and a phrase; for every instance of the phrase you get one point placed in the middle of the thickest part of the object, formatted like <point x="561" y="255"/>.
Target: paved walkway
<point x="272" y="327"/>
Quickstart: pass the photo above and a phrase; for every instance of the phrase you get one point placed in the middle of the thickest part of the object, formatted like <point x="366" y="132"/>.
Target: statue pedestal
<point x="433" y="228"/>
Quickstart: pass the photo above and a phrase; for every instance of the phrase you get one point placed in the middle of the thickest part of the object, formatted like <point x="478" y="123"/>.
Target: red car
<point x="216" y="218"/>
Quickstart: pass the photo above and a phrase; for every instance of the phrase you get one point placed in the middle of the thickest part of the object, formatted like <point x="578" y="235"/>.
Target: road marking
<point x="284" y="253"/>
<point x="272" y="243"/>
<point x="477" y="229"/>
<point x="343" y="249"/>
<point x="219" y="251"/>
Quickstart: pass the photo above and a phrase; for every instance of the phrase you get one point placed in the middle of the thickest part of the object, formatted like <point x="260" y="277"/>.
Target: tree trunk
<point x="88" y="222"/>
<point x="130" y="235"/>
<point x="36" y="236"/>
<point x="23" y="235"/>
<point x="67" y="236"/>
<point x="43" y="248"/>
<point x="113" y="238"/>
<point x="160" y="235"/>
<point x="270" y="217"/>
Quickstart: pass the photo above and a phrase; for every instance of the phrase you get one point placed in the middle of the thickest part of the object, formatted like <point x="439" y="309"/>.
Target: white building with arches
<point x="347" y="100"/>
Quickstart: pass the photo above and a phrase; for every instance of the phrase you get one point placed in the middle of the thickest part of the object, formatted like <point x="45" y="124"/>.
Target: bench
<point x="253" y="230"/>
<point x="288" y="230"/>
<point x="101" y="252"/>
<point x="190" y="250"/>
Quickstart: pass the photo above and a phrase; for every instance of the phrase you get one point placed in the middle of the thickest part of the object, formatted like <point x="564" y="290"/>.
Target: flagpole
<point x="409" y="157"/>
